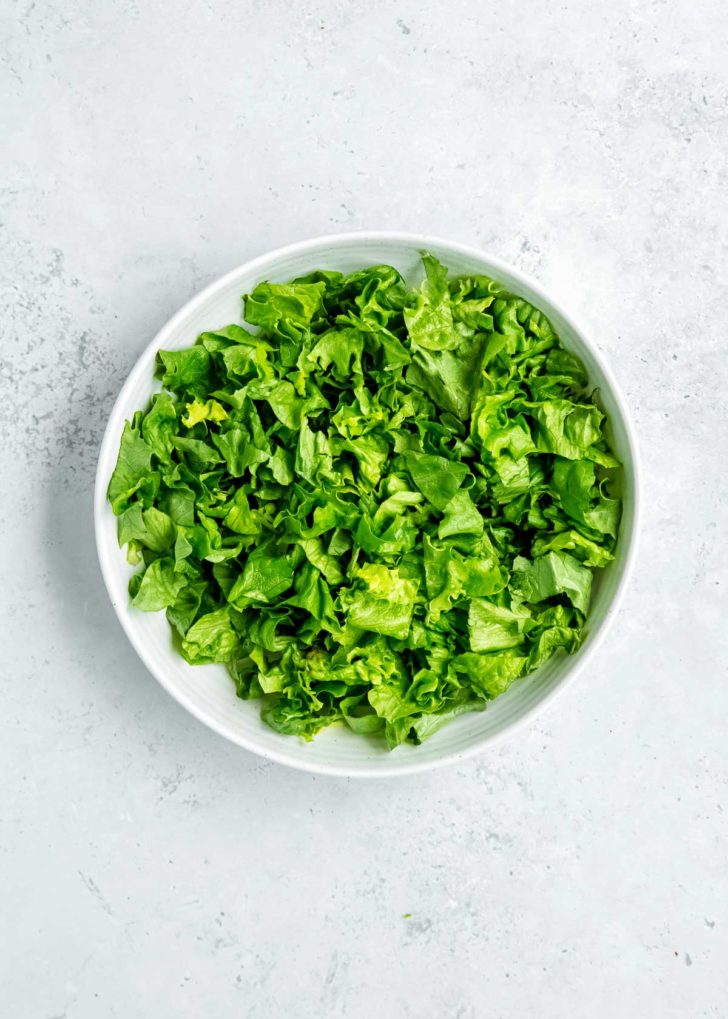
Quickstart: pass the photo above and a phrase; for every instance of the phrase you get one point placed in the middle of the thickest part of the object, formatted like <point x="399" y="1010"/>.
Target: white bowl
<point x="207" y="691"/>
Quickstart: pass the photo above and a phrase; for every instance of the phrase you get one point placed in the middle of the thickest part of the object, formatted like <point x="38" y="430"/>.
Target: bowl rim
<point x="107" y="455"/>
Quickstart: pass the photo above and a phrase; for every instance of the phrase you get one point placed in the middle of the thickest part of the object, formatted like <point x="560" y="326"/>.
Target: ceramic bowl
<point x="207" y="692"/>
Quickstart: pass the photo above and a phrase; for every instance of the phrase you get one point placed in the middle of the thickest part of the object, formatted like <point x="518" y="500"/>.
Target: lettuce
<point x="378" y="507"/>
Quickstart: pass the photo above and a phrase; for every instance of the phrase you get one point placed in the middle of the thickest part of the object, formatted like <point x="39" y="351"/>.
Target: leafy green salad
<point x="379" y="506"/>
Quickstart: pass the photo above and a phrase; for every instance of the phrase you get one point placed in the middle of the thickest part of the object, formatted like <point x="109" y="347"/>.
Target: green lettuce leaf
<point x="494" y="627"/>
<point x="436" y="477"/>
<point x="552" y="574"/>
<point x="160" y="586"/>
<point x="133" y="475"/>
<point x="211" y="639"/>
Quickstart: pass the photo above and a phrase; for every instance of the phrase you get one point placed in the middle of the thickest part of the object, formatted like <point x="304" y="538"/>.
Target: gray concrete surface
<point x="147" y="868"/>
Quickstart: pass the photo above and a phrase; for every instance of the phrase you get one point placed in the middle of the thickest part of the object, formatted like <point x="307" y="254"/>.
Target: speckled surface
<point x="147" y="867"/>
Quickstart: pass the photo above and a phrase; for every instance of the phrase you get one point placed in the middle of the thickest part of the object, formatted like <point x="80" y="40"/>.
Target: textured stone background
<point x="148" y="868"/>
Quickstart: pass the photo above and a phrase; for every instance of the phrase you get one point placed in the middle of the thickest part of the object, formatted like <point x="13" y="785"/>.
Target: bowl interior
<point x="207" y="691"/>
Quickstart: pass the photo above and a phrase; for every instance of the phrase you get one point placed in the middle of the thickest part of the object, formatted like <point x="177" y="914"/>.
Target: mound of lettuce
<point x="380" y="506"/>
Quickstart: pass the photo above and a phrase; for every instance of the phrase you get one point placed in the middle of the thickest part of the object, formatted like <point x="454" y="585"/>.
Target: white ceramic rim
<point x="628" y="555"/>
